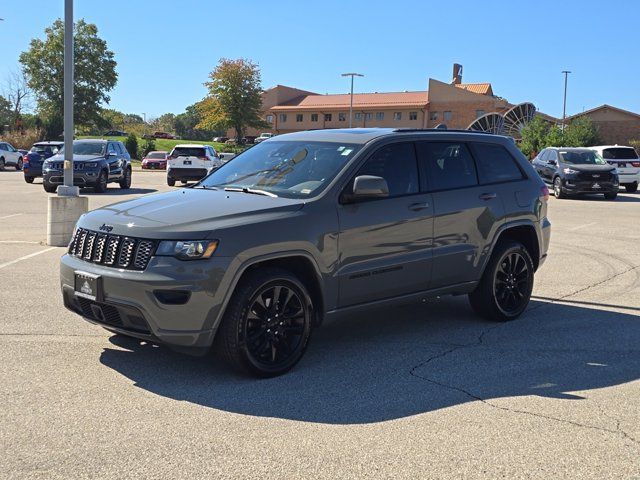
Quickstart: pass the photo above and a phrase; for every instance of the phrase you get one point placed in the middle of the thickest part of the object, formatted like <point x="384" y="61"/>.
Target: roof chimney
<point x="457" y="74"/>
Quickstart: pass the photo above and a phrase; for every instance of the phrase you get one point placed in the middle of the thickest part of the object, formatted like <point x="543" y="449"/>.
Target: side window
<point x="111" y="148"/>
<point x="396" y="163"/>
<point x="495" y="164"/>
<point x="3" y="146"/>
<point x="542" y="156"/>
<point x="552" y="155"/>
<point x="447" y="165"/>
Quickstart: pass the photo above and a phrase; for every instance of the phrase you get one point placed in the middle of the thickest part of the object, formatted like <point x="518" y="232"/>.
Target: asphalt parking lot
<point x="426" y="391"/>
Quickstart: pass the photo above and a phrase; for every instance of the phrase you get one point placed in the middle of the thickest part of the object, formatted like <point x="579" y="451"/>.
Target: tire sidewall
<point x="504" y="252"/>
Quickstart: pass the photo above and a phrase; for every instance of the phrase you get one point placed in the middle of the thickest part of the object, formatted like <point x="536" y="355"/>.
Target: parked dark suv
<point x="573" y="171"/>
<point x="310" y="226"/>
<point x="96" y="163"/>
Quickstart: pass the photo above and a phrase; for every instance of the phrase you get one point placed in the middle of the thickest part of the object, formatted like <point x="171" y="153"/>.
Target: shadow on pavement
<point x="405" y="361"/>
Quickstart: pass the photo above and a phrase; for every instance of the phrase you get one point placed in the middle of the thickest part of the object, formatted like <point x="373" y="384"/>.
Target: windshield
<point x="87" y="148"/>
<point x="620" y="153"/>
<point x="287" y="169"/>
<point x="582" y="157"/>
<point x="156" y="155"/>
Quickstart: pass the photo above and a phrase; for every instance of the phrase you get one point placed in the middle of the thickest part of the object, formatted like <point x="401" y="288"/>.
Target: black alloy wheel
<point x="267" y="324"/>
<point x="512" y="283"/>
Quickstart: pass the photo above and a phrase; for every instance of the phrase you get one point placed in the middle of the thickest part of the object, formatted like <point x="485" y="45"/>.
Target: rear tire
<point x="171" y="181"/>
<point x="631" y="187"/>
<point x="101" y="183"/>
<point x="611" y="195"/>
<point x="266" y="327"/>
<point x="557" y="188"/>
<point x="28" y="179"/>
<point x="125" y="183"/>
<point x="506" y="285"/>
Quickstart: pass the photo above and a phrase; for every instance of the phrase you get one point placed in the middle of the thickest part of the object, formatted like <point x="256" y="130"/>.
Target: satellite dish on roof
<point x="441" y="126"/>
<point x="489" y="122"/>
<point x="517" y="117"/>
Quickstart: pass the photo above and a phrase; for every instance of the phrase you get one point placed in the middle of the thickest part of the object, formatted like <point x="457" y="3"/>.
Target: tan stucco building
<point x="615" y="125"/>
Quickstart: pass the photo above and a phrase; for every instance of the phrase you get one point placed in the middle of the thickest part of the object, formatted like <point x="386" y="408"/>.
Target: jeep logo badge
<point x="106" y="228"/>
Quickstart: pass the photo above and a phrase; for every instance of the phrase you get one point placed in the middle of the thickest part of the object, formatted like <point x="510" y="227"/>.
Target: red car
<point x="163" y="135"/>
<point x="155" y="160"/>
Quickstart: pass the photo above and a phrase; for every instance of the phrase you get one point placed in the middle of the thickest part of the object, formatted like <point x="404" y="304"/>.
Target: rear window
<point x="188" y="152"/>
<point x="495" y="164"/>
<point x="619" y="153"/>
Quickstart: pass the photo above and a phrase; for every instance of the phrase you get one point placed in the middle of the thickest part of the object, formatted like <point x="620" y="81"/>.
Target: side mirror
<point x="368" y="187"/>
<point x="112" y="154"/>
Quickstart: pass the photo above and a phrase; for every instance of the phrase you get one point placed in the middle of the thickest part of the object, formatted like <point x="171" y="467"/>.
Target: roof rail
<point x="440" y="130"/>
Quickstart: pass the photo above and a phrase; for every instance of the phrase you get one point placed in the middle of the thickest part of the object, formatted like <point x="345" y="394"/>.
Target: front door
<point x="385" y="244"/>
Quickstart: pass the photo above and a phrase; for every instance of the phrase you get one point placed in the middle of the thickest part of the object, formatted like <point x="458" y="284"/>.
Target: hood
<point x="76" y="158"/>
<point x="186" y="214"/>
<point x="589" y="168"/>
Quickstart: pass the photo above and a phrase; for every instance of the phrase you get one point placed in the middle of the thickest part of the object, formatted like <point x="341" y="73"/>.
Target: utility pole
<point x="65" y="208"/>
<point x="351" y="98"/>
<point x="564" y="102"/>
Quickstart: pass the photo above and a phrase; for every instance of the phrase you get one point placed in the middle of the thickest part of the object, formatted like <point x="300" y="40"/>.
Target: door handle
<point x="418" y="206"/>
<point x="488" y="196"/>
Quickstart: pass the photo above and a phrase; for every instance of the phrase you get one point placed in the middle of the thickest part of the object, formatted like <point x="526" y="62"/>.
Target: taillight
<point x="544" y="193"/>
<point x="635" y="164"/>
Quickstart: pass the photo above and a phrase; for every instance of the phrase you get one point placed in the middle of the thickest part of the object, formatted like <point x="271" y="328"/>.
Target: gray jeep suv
<point x="306" y="227"/>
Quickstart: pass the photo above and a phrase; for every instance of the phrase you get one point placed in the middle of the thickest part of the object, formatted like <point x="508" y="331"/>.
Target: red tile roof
<point x="481" y="88"/>
<point x="360" y="100"/>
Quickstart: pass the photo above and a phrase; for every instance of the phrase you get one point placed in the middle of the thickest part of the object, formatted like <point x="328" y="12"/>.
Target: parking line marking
<point x="9" y="216"/>
<point x="20" y="241"/>
<point x="2" y="265"/>
<point x="573" y="229"/>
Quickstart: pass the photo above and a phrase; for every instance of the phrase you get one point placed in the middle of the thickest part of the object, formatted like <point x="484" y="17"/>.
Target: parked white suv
<point x="189" y="162"/>
<point x="9" y="156"/>
<point x="263" y="136"/>
<point x="626" y="161"/>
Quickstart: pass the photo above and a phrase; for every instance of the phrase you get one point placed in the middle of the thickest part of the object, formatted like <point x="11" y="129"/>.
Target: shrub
<point x="149" y="145"/>
<point x="635" y="144"/>
<point x="132" y="145"/>
<point x="22" y="139"/>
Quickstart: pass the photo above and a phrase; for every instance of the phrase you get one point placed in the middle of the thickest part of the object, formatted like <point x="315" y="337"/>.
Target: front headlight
<point x="570" y="171"/>
<point x="187" y="249"/>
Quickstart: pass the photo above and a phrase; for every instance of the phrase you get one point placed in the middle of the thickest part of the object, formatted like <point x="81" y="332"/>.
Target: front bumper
<point x="81" y="178"/>
<point x="130" y="303"/>
<point x="581" y="186"/>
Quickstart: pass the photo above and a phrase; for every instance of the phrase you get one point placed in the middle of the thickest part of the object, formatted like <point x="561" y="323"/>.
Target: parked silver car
<point x="10" y="156"/>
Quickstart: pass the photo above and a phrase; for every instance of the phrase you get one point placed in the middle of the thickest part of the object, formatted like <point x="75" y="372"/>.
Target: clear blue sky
<point x="165" y="49"/>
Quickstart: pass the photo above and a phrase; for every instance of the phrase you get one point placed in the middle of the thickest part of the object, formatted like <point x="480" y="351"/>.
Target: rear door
<point x="466" y="214"/>
<point x="385" y="244"/>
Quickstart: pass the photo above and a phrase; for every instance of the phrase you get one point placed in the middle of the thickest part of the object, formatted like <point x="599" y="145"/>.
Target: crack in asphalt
<point x="479" y="341"/>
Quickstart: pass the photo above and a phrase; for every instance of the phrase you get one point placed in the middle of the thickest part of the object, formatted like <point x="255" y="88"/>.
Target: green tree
<point x="132" y="145"/>
<point x="147" y="146"/>
<point x="235" y="97"/>
<point x="581" y="132"/>
<point x="6" y="113"/>
<point x="94" y="71"/>
<point x="189" y="125"/>
<point x="534" y="136"/>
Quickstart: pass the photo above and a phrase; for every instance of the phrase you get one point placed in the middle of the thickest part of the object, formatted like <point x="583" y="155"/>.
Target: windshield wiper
<point x="250" y="190"/>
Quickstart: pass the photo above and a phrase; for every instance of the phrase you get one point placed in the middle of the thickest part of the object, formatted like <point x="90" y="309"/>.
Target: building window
<point x="314" y="117"/>
<point x="433" y="116"/>
<point x="357" y="116"/>
<point x="447" y="115"/>
<point x="327" y="117"/>
<point x="270" y="118"/>
<point x="299" y="117"/>
<point x="283" y="117"/>
<point x="380" y="116"/>
<point x="368" y="116"/>
<point x="413" y="115"/>
<point x="397" y="115"/>
<point x="479" y="113"/>
<point x="342" y="117"/>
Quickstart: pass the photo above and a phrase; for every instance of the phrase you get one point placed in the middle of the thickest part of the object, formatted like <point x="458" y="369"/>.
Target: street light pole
<point x="68" y="189"/>
<point x="351" y="97"/>
<point x="564" y="101"/>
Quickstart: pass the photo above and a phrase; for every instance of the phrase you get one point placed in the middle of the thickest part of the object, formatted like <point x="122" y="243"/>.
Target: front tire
<point x="49" y="187"/>
<point x="101" y="183"/>
<point x="2" y="164"/>
<point x="557" y="188"/>
<point x="267" y="324"/>
<point x="19" y="164"/>
<point x="611" y="195"/>
<point x="631" y="187"/>
<point x="506" y="285"/>
<point x="125" y="183"/>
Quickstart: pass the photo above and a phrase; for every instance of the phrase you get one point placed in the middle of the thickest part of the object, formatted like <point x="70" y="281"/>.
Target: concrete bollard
<point x="62" y="215"/>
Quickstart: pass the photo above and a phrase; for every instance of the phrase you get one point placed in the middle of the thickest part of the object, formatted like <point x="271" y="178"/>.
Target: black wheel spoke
<point x="511" y="282"/>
